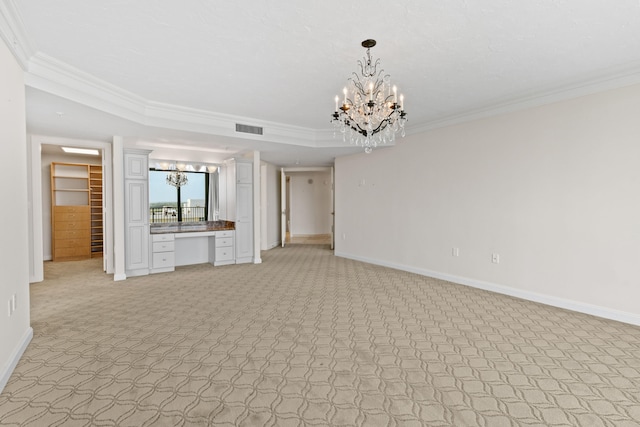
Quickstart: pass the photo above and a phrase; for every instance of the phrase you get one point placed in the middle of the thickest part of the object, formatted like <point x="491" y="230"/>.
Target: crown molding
<point x="608" y="80"/>
<point x="59" y="78"/>
<point x="51" y="75"/>
<point x="13" y="34"/>
<point x="56" y="77"/>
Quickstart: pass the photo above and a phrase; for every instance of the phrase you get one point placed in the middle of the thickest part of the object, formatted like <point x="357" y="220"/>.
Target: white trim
<point x="36" y="254"/>
<point x="581" y="307"/>
<point x="118" y="209"/>
<point x="36" y="246"/>
<point x="57" y="77"/>
<point x="107" y="210"/>
<point x="12" y="32"/>
<point x="6" y="372"/>
<point x="613" y="79"/>
<point x="256" y="187"/>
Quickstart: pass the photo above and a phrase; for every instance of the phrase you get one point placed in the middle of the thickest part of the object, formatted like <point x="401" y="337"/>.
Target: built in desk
<point x="176" y="244"/>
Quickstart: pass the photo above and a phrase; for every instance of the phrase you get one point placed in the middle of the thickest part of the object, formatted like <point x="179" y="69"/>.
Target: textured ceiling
<point x="283" y="61"/>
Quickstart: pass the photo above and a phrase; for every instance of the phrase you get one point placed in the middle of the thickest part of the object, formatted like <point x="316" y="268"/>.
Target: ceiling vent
<point x="256" y="130"/>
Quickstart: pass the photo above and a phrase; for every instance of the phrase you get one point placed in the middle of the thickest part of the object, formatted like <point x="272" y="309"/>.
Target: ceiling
<point x="175" y="77"/>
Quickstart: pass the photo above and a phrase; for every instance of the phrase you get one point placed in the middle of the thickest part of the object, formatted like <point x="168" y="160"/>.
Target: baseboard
<point x="270" y="246"/>
<point x="581" y="307"/>
<point x="15" y="358"/>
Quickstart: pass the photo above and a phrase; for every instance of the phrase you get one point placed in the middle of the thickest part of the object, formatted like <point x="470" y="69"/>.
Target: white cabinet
<point x="222" y="248"/>
<point x="136" y="164"/>
<point x="244" y="212"/>
<point x="162" y="253"/>
<point x="136" y="218"/>
<point x="244" y="173"/>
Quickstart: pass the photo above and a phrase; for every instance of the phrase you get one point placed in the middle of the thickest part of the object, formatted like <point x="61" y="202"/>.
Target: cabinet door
<point x="244" y="223"/>
<point x="244" y="203"/>
<point x="244" y="173"/>
<point x="136" y="218"/>
<point x="136" y="166"/>
<point x="244" y="242"/>
<point x="137" y="255"/>
<point x="136" y="202"/>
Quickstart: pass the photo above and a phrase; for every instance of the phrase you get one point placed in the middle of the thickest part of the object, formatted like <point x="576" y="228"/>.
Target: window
<point x="178" y="204"/>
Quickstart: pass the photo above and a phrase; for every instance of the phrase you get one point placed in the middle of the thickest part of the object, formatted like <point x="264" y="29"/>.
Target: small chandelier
<point x="177" y="179"/>
<point x="371" y="113"/>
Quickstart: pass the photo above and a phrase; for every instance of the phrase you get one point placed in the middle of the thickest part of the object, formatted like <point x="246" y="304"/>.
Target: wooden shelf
<point x="70" y="212"/>
<point x="95" y="185"/>
<point x="76" y="211"/>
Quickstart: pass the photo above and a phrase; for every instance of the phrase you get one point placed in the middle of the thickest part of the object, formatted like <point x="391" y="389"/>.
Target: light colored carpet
<point x="309" y="339"/>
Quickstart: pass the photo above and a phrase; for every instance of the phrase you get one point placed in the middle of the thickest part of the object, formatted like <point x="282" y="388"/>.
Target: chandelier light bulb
<point x="369" y="115"/>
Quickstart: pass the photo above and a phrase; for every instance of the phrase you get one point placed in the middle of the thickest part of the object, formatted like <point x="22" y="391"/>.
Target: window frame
<point x="178" y="200"/>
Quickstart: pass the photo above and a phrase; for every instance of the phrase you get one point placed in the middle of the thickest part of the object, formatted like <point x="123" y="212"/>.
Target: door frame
<point x="284" y="209"/>
<point x="36" y="255"/>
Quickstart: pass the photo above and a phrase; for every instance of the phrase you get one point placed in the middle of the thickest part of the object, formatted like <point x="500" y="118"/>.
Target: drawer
<point x="71" y="209"/>
<point x="72" y="233"/>
<point x="72" y="252"/>
<point x="163" y="246"/>
<point x="72" y="243"/>
<point x="223" y="241"/>
<point x="71" y="216"/>
<point x="224" y="254"/>
<point x="72" y="225"/>
<point x="224" y="233"/>
<point x="163" y="259"/>
<point x="169" y="237"/>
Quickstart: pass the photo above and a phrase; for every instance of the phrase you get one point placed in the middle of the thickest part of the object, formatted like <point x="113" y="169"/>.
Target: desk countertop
<point x="191" y="227"/>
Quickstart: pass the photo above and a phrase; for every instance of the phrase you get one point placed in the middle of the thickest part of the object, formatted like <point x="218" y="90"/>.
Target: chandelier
<point x="177" y="179"/>
<point x="371" y="112"/>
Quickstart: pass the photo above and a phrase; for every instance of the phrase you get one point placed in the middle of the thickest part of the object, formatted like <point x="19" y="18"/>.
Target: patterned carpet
<point x="309" y="339"/>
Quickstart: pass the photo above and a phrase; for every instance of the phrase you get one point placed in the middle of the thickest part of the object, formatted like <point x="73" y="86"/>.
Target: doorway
<point x="307" y="206"/>
<point x="42" y="152"/>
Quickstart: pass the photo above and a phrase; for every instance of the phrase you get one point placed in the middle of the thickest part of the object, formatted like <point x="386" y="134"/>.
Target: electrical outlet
<point x="344" y="236"/>
<point x="455" y="251"/>
<point x="495" y="258"/>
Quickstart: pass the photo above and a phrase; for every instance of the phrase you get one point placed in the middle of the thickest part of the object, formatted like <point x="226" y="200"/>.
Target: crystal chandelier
<point x="177" y="179"/>
<point x="371" y="112"/>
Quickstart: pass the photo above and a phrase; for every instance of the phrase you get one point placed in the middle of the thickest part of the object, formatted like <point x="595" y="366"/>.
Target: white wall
<point x="15" y="332"/>
<point x="310" y="203"/>
<point x="554" y="190"/>
<point x="47" y="158"/>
